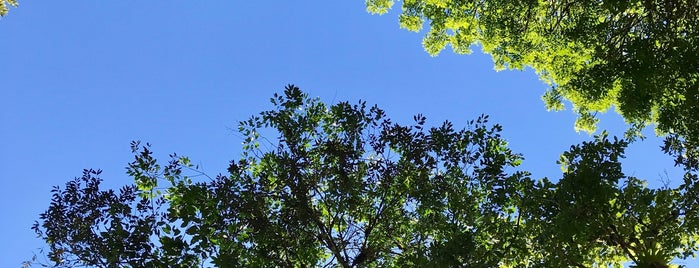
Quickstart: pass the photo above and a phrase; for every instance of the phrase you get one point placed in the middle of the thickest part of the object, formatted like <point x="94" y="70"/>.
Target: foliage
<point x="4" y="6"/>
<point x="596" y="215"/>
<point x="87" y="226"/>
<point x="639" y="56"/>
<point x="345" y="186"/>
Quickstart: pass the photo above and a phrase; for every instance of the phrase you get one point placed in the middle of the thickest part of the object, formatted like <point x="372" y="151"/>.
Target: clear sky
<point x="80" y="79"/>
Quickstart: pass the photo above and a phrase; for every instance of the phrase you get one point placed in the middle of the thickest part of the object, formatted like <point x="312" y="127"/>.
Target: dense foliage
<point x="639" y="56"/>
<point x="596" y="215"/>
<point x="343" y="185"/>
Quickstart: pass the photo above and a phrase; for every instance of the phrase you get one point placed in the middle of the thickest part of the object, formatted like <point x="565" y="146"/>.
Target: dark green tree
<point x="93" y="227"/>
<point x="341" y="185"/>
<point x="638" y="56"/>
<point x="345" y="186"/>
<point x="596" y="215"/>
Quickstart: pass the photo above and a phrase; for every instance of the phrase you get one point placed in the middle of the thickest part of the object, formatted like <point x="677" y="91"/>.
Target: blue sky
<point x="81" y="79"/>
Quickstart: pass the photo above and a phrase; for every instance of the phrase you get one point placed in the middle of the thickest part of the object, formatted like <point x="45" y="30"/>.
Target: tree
<point x="4" y="6"/>
<point x="595" y="215"/>
<point x="345" y="186"/>
<point x="342" y="185"/>
<point x="88" y="226"/>
<point x="638" y="56"/>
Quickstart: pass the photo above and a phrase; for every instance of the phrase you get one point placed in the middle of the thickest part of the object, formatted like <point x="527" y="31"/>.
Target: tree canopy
<point x="345" y="186"/>
<point x="637" y="56"/>
<point x="596" y="215"/>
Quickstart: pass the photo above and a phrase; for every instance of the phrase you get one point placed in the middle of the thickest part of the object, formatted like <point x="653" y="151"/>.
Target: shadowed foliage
<point x="345" y="186"/>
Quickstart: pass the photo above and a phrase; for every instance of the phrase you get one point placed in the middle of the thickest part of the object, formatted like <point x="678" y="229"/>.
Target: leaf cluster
<point x="4" y="6"/>
<point x="637" y="56"/>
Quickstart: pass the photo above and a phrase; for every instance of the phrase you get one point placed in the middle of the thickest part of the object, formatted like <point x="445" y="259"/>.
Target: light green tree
<point x="639" y="56"/>
<point x="4" y="6"/>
